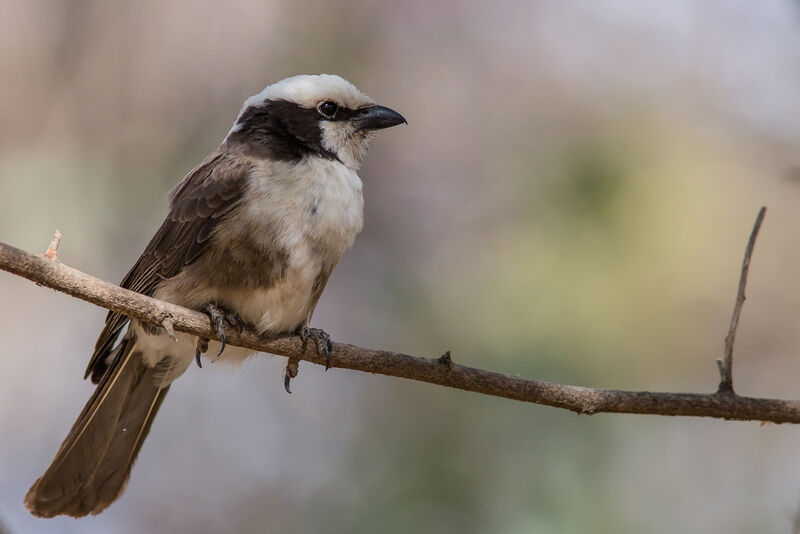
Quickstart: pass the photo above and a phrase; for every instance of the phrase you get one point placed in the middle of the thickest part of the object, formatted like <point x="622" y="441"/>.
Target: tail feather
<point x="92" y="466"/>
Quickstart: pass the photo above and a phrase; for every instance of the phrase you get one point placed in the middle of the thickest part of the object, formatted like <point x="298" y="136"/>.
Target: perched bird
<point x="252" y="236"/>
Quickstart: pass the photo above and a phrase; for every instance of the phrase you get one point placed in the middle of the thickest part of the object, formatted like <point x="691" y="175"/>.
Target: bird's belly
<point x="279" y="308"/>
<point x="273" y="310"/>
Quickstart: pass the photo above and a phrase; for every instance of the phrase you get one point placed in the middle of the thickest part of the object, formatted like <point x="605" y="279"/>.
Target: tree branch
<point x="442" y="371"/>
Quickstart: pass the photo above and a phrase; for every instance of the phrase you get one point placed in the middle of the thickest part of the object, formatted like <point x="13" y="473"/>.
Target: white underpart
<point x="343" y="139"/>
<point x="284" y="192"/>
<point x="279" y="199"/>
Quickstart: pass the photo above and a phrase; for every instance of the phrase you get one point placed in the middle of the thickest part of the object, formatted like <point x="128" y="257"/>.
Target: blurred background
<point x="570" y="201"/>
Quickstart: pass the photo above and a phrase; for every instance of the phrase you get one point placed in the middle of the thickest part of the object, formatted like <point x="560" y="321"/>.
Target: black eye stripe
<point x="286" y="131"/>
<point x="328" y="109"/>
<point x="282" y="130"/>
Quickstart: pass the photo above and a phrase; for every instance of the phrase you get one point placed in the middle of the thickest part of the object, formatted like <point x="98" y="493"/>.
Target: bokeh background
<point x="570" y="201"/>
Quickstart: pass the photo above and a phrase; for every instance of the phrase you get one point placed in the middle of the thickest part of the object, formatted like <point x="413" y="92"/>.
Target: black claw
<point x="289" y="373"/>
<point x="221" y="335"/>
<point x="218" y="318"/>
<point x="200" y="348"/>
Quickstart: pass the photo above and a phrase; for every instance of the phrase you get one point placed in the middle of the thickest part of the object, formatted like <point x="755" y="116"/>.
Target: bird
<point x="251" y="237"/>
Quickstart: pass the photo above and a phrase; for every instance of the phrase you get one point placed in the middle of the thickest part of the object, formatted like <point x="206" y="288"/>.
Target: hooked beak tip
<point x="377" y="118"/>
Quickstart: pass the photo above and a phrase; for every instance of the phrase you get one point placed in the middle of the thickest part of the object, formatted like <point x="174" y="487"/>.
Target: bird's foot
<point x="289" y="373"/>
<point x="322" y="342"/>
<point x="219" y="317"/>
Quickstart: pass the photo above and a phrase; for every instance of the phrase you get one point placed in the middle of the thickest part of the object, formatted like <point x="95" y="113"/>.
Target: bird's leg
<point x="322" y="342"/>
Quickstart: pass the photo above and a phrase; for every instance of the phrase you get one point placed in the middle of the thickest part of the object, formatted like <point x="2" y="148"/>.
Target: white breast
<point x="314" y="209"/>
<point x="317" y="199"/>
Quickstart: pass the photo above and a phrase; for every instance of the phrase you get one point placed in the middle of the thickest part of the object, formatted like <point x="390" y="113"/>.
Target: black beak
<point x="376" y="118"/>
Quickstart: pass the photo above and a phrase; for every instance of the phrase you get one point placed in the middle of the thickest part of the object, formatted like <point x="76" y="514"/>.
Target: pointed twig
<point x="52" y="250"/>
<point x="725" y="364"/>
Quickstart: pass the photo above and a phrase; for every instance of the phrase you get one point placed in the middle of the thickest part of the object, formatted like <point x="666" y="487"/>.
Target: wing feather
<point x="197" y="205"/>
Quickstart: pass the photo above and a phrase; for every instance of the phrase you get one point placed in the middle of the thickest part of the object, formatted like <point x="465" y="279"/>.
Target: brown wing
<point x="197" y="205"/>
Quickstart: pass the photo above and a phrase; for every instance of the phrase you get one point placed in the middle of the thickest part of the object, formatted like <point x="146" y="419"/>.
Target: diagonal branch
<point x="441" y="371"/>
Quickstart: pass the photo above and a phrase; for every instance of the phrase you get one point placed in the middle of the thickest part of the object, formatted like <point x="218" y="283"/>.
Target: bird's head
<point x="310" y="115"/>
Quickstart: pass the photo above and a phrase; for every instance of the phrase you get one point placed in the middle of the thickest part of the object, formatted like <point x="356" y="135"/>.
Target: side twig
<point x="725" y="363"/>
<point x="52" y="250"/>
<point x="442" y="371"/>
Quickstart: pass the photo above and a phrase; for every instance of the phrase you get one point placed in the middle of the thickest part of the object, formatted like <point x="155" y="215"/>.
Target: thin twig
<point x="726" y="363"/>
<point x="52" y="251"/>
<point x="441" y="371"/>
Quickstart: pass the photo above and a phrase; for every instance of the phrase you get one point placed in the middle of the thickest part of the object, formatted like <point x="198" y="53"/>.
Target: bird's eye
<point x="327" y="109"/>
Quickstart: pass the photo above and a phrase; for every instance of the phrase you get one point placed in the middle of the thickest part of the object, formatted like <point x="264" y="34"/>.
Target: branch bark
<point x="723" y="404"/>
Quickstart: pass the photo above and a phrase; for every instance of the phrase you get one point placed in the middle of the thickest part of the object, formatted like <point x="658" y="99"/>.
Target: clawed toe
<point x="219" y="316"/>
<point x="200" y="348"/>
<point x="322" y="342"/>
<point x="235" y="320"/>
<point x="292" y="366"/>
<point x="218" y="322"/>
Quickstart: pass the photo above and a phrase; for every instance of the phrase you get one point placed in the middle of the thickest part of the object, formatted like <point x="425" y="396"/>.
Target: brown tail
<point x="92" y="466"/>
